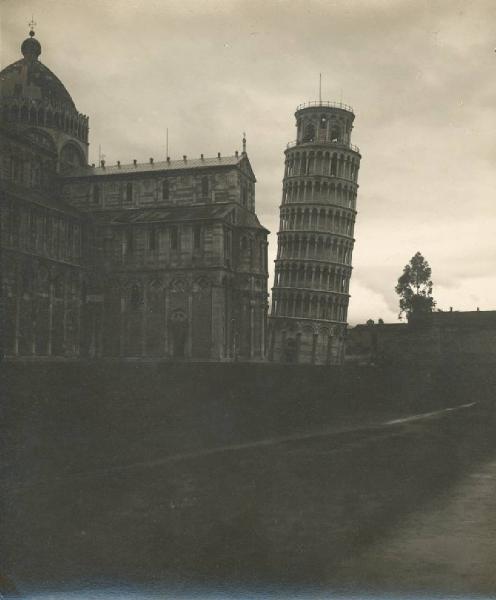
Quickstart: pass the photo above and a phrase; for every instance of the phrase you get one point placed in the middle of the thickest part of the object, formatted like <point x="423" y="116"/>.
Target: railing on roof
<point x="326" y="103"/>
<point x="348" y="146"/>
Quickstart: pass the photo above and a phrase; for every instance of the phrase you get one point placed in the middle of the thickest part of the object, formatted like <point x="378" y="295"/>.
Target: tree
<point x="414" y="288"/>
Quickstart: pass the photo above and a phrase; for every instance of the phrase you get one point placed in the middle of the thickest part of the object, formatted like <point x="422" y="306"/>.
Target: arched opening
<point x="309" y="133"/>
<point x="135" y="297"/>
<point x="290" y="350"/>
<point x="334" y="165"/>
<point x="303" y="165"/>
<point x="71" y="156"/>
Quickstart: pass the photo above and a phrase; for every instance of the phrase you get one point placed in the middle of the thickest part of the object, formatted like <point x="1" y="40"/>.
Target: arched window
<point x="129" y="242"/>
<point x="174" y="237"/>
<point x="303" y="165"/>
<point x="84" y="292"/>
<point x="309" y="133"/>
<point x="334" y="165"/>
<point x="135" y="297"/>
<point x="227" y="243"/>
<point x="335" y="134"/>
<point x="35" y="173"/>
<point x="152" y="240"/>
<point x="204" y="187"/>
<point x="165" y="189"/>
<point x="197" y="231"/>
<point x="32" y="228"/>
<point x="96" y="194"/>
<point x="27" y="277"/>
<point x="16" y="169"/>
<point x="323" y="121"/>
<point x="129" y="192"/>
<point x="58" y="287"/>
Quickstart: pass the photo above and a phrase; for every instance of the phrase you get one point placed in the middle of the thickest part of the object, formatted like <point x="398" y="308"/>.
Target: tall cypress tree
<point x="414" y="288"/>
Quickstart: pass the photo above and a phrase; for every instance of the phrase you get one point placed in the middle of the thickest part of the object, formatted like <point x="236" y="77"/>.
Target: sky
<point x="419" y="74"/>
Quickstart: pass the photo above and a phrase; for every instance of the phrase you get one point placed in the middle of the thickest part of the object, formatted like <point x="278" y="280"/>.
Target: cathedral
<point x="162" y="260"/>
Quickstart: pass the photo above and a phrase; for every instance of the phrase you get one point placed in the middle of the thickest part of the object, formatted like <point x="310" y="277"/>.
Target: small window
<point x="165" y="189"/>
<point x="323" y="122"/>
<point x="174" y="238"/>
<point x="244" y="196"/>
<point x="129" y="192"/>
<point x="197" y="237"/>
<point x="205" y="187"/>
<point x="96" y="194"/>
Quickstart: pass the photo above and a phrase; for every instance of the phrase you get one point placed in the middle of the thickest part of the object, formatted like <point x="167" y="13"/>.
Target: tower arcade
<point x="315" y="239"/>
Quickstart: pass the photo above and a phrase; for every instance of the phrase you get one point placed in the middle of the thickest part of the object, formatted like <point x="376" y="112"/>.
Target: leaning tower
<point x="315" y="240"/>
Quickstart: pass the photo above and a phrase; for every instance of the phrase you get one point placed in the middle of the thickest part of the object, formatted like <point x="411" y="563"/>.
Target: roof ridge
<point x="164" y="165"/>
<point x="176" y="160"/>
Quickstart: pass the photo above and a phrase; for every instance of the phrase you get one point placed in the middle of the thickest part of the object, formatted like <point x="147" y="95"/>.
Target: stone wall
<point x="444" y="336"/>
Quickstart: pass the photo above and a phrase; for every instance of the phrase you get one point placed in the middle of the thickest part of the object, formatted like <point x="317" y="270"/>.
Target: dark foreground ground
<point x="241" y="477"/>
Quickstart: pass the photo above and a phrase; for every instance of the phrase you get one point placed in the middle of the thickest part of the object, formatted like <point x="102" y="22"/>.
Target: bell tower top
<point x="324" y="122"/>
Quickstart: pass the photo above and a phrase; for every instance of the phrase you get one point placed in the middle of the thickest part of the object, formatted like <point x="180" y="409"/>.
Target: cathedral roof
<point x="170" y="165"/>
<point x="245" y="218"/>
<point x="28" y="78"/>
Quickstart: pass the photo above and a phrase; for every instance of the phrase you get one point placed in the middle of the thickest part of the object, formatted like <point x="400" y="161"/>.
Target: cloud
<point x="419" y="75"/>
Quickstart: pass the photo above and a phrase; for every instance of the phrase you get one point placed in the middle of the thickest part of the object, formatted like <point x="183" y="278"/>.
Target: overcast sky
<point x="419" y="74"/>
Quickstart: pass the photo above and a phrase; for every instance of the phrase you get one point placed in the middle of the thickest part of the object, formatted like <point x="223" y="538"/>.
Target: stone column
<point x="252" y="327"/>
<point x="50" y="318"/>
<point x="166" y="322"/>
<point x="189" y="345"/>
<point x="122" y="323"/>
<point x="144" y="318"/>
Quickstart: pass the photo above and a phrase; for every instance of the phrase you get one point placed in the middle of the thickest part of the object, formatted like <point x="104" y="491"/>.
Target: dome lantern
<point x="30" y="47"/>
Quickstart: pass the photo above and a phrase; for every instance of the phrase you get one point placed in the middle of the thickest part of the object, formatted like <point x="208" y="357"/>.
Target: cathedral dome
<point x="29" y="79"/>
<point x="32" y="96"/>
